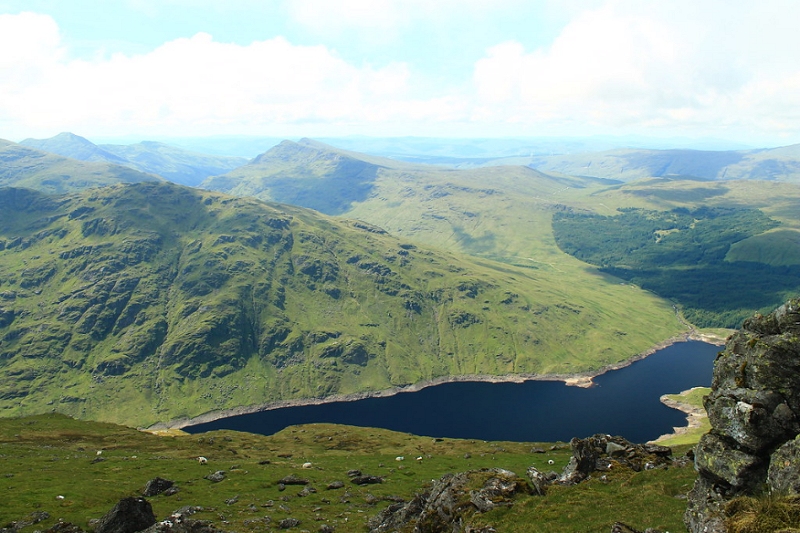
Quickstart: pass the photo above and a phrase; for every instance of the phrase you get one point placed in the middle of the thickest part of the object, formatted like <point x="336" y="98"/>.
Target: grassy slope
<point x="25" y="167"/>
<point x="151" y="302"/>
<point x="47" y="456"/>
<point x="504" y="213"/>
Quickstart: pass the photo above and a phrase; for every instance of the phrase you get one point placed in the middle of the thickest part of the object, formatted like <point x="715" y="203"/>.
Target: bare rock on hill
<point x="64" y="527"/>
<point x="619" y="527"/>
<point x="156" y="486"/>
<point x="451" y="500"/>
<point x="128" y="516"/>
<point x="600" y="453"/>
<point x="754" y="409"/>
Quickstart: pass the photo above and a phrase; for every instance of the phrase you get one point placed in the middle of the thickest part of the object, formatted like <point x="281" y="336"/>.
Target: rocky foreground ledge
<point x="753" y="447"/>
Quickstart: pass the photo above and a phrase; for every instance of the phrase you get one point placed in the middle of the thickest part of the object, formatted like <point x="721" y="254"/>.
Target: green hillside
<point x="308" y="174"/>
<point x="151" y="302"/>
<point x="507" y="214"/>
<point x="685" y="255"/>
<point x="48" y="456"/>
<point x="21" y="166"/>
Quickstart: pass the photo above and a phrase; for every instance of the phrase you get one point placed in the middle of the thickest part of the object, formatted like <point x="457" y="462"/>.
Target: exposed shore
<point x="584" y="379"/>
<point x="695" y="416"/>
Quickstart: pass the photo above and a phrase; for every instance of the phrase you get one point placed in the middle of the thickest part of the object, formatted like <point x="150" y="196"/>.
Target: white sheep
<point x="551" y="462"/>
<point x="307" y="465"/>
<point x="202" y="460"/>
<point x="399" y="458"/>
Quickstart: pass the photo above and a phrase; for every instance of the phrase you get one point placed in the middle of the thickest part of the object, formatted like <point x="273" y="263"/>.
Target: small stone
<point x="216" y="477"/>
<point x="157" y="486"/>
<point x="288" y="523"/>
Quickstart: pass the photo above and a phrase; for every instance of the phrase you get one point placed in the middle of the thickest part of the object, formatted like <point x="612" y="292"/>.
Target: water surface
<point x="623" y="402"/>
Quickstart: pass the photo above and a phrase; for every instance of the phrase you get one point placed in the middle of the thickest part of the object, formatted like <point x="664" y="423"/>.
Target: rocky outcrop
<point x="157" y="486"/>
<point x="128" y="516"/>
<point x="601" y="453"/>
<point x="754" y="409"/>
<point x="451" y="501"/>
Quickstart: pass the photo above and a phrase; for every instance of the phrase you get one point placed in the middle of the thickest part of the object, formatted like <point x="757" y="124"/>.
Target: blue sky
<point x="725" y="69"/>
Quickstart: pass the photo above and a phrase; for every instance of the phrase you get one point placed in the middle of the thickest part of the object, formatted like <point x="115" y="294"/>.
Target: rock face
<point x="754" y="409"/>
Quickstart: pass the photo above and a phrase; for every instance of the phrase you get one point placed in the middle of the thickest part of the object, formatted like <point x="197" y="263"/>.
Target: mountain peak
<point x="74" y="146"/>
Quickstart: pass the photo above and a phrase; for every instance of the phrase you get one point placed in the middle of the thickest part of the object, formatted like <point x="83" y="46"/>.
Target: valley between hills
<point x="313" y="272"/>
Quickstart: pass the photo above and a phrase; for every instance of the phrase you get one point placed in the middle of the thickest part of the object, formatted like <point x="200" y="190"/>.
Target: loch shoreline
<point x="583" y="379"/>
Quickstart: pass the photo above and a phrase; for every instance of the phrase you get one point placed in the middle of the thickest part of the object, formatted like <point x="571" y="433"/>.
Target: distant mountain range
<point x="776" y="164"/>
<point x="21" y="166"/>
<point x="174" y="164"/>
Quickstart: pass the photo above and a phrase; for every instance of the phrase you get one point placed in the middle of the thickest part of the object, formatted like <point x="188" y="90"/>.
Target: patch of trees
<point x="680" y="255"/>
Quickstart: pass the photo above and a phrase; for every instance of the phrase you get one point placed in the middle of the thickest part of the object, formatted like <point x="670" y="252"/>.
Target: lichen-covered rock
<point x="755" y="419"/>
<point x="783" y="476"/>
<point x="540" y="480"/>
<point x="718" y="459"/>
<point x="600" y="452"/>
<point x="754" y="410"/>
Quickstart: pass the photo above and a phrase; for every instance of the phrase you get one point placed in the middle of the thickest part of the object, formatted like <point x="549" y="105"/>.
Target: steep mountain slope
<point x="148" y="302"/>
<point x="779" y="164"/>
<point x="21" y="166"/>
<point x="506" y="214"/>
<point x="175" y="164"/>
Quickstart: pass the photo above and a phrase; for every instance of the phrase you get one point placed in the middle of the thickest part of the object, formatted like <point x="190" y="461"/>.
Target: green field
<point x="48" y="457"/>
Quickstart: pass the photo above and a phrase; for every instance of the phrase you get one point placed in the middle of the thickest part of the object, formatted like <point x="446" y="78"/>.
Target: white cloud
<point x="724" y="68"/>
<point x="30" y="44"/>
<point x="189" y="86"/>
<point x="678" y="65"/>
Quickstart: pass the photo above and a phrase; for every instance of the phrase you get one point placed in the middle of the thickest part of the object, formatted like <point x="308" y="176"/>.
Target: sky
<point x="149" y="69"/>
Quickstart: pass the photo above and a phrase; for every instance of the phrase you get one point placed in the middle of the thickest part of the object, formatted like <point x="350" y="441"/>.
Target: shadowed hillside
<point x="307" y="173"/>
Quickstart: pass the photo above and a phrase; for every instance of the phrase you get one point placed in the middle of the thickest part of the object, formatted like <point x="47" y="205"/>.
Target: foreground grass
<point x="48" y="456"/>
